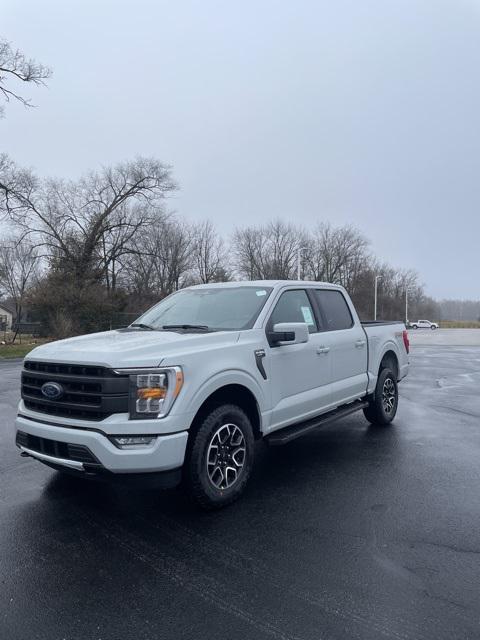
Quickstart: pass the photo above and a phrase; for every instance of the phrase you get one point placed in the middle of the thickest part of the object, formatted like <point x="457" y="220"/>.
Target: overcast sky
<point x="361" y="112"/>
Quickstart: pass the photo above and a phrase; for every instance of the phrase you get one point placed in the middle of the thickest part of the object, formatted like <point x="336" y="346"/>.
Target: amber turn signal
<point x="151" y="394"/>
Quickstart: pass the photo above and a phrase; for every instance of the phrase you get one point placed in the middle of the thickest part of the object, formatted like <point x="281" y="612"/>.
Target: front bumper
<point x="165" y="454"/>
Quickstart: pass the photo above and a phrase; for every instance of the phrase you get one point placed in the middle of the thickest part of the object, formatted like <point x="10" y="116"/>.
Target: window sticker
<point x="261" y="292"/>
<point x="307" y="315"/>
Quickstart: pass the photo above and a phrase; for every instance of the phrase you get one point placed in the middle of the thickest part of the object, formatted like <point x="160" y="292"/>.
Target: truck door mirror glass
<point x="285" y="333"/>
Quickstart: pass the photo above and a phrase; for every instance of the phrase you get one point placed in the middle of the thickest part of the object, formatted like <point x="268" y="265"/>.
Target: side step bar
<point x="282" y="436"/>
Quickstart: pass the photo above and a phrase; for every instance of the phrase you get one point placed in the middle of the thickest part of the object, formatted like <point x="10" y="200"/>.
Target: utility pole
<point x="377" y="278"/>
<point x="406" y="306"/>
<point x="299" y="259"/>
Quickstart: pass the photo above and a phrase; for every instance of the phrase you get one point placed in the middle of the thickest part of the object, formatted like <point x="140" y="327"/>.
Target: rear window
<point x="335" y="309"/>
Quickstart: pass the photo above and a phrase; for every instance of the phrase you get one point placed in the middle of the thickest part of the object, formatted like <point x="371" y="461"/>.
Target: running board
<point x="282" y="436"/>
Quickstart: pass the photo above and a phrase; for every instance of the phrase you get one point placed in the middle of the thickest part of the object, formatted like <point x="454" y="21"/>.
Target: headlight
<point x="153" y="391"/>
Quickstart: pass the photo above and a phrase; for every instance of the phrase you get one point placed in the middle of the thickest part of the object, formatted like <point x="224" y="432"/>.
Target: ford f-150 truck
<point x="183" y="393"/>
<point x="423" y="324"/>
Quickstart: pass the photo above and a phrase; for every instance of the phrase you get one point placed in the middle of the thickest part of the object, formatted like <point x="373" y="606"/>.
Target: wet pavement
<point x="445" y="337"/>
<point x="353" y="532"/>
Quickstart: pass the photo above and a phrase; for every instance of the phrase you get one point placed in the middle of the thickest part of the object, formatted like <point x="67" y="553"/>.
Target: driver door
<point x="299" y="373"/>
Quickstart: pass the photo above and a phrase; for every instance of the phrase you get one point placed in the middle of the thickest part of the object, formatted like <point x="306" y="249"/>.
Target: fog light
<point x="132" y="442"/>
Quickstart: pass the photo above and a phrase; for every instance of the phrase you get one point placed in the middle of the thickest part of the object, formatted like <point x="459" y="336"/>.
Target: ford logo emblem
<point x="52" y="390"/>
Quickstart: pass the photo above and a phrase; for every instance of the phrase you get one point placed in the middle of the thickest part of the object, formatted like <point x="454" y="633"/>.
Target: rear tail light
<point x="406" y="341"/>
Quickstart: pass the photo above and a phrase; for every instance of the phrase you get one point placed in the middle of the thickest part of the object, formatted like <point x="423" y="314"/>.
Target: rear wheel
<point x="383" y="405"/>
<point x="219" y="457"/>
<point x="414" y="326"/>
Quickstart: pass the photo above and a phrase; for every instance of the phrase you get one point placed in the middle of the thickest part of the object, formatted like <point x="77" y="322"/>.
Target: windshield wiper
<point x="143" y="326"/>
<point x="186" y="327"/>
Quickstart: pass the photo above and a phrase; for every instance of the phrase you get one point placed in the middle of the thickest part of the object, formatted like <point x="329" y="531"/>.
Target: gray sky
<point x="362" y="112"/>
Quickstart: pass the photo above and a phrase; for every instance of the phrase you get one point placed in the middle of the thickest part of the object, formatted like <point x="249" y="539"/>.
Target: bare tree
<point x="159" y="262"/>
<point x="71" y="219"/>
<point x="268" y="252"/>
<point x="129" y="224"/>
<point x="248" y="248"/>
<point x="335" y="254"/>
<point x="19" y="265"/>
<point x="82" y="228"/>
<point x="392" y="287"/>
<point x="209" y="255"/>
<point x="16" y="67"/>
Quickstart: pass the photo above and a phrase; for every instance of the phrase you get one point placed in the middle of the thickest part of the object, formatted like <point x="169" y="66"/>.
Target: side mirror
<point x="288" y="333"/>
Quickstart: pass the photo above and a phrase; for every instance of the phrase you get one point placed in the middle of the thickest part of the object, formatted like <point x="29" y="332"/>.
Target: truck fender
<point x="222" y="379"/>
<point x="374" y="367"/>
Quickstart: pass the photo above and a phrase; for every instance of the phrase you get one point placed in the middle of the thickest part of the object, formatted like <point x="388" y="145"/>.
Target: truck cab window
<point x="294" y="306"/>
<point x="335" y="309"/>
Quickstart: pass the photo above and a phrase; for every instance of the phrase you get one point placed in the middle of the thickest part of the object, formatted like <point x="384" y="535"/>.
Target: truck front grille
<point x="88" y="393"/>
<point x="55" y="448"/>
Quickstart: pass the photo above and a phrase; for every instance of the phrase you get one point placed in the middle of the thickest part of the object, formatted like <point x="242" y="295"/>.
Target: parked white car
<point x="424" y="324"/>
<point x="184" y="392"/>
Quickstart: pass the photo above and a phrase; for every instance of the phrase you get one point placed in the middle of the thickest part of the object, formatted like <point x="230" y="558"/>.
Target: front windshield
<point x="216" y="308"/>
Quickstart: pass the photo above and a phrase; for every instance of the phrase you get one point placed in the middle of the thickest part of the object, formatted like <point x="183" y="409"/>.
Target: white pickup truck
<point x="183" y="393"/>
<point x="423" y="324"/>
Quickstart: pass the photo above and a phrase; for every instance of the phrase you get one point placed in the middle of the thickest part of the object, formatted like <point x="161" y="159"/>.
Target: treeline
<point x="461" y="310"/>
<point x="80" y="253"/>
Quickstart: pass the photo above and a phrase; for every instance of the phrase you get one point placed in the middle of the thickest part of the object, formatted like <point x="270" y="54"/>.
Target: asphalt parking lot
<point x="351" y="532"/>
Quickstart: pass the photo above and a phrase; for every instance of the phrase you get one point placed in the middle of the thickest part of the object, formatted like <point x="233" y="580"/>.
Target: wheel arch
<point x="390" y="360"/>
<point x="232" y="393"/>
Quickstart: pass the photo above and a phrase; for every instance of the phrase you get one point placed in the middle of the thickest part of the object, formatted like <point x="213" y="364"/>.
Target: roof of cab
<point x="264" y="283"/>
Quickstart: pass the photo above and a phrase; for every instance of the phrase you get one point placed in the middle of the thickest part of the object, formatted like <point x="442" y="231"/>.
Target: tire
<point x="213" y="477"/>
<point x="383" y="406"/>
<point x="414" y="326"/>
<point x="433" y="327"/>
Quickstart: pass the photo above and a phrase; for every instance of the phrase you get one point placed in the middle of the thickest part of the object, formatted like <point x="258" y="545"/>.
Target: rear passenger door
<point x="348" y="346"/>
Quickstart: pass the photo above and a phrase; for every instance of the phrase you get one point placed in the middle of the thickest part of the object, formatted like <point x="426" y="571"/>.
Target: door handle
<point x="321" y="350"/>
<point x="360" y="343"/>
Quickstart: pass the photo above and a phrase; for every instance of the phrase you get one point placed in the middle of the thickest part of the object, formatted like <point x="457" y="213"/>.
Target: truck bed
<point x="379" y="323"/>
<point x="383" y="334"/>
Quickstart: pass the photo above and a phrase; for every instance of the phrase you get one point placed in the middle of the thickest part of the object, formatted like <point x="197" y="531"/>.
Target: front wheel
<point x="219" y="457"/>
<point x="433" y="327"/>
<point x="383" y="405"/>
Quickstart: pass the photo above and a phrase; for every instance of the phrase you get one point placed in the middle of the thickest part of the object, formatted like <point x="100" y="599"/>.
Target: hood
<point x="128" y="348"/>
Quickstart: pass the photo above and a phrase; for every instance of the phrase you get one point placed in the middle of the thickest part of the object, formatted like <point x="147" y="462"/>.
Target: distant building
<point x="7" y="315"/>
